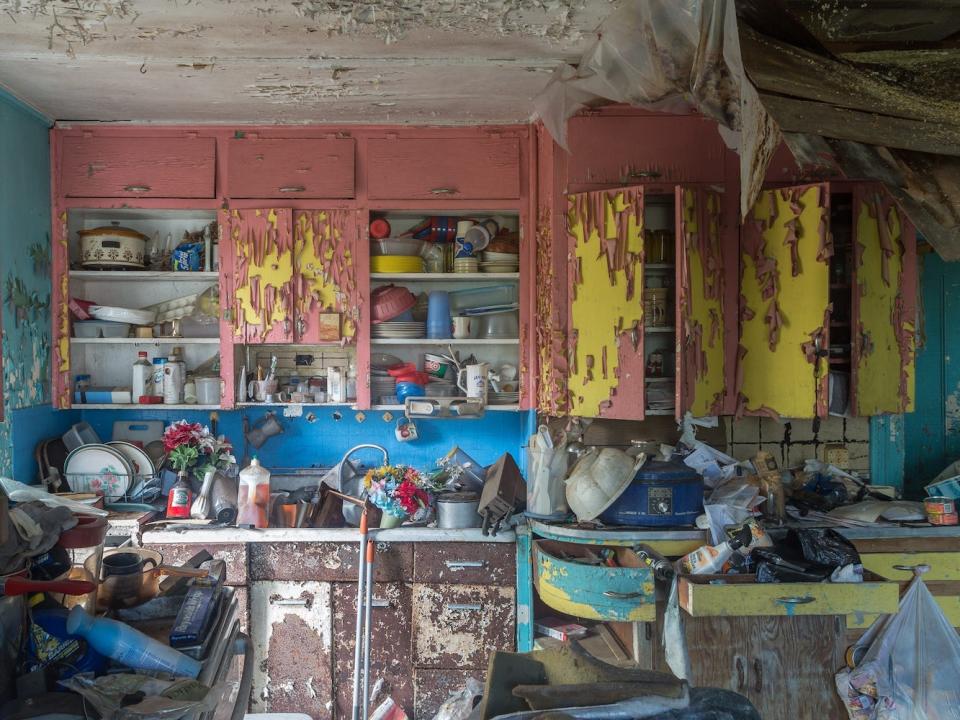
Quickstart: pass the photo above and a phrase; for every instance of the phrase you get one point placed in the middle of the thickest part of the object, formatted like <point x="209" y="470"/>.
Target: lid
<point x="665" y="471"/>
<point x="459" y="497"/>
<point x="142" y="353"/>
<point x="379" y="228"/>
<point x="112" y="230"/>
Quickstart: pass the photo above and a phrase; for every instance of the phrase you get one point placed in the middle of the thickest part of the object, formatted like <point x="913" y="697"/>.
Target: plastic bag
<point x="825" y="546"/>
<point x="161" y="699"/>
<point x="460" y="703"/>
<point x="20" y="493"/>
<point x="546" y="472"/>
<point x="911" y="665"/>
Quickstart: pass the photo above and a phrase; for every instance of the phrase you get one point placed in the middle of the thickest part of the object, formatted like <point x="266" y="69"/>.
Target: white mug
<point x="462" y="327"/>
<point x="473" y="380"/>
<point x="405" y="430"/>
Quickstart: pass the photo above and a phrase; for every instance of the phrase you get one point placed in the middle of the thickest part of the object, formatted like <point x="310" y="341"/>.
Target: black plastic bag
<point x="825" y="546"/>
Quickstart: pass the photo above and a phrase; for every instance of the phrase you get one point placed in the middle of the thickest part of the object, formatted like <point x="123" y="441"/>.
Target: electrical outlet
<point x="836" y="455"/>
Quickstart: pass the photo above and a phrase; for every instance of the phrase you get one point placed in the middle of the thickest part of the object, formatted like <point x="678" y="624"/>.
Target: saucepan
<point x="19" y="583"/>
<point x="131" y="576"/>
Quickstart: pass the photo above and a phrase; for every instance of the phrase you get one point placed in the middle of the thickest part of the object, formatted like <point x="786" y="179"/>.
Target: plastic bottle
<point x="253" y="497"/>
<point x="709" y="560"/>
<point x="142" y="377"/>
<point x="172" y="382"/>
<point x="351" y="387"/>
<point x="158" y="363"/>
<point x="129" y="647"/>
<point x="336" y="388"/>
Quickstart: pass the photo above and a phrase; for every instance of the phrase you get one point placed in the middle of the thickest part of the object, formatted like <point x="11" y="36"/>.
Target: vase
<point x="389" y="520"/>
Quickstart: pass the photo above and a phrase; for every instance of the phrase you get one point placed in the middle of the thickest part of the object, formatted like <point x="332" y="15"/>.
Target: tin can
<point x="940" y="510"/>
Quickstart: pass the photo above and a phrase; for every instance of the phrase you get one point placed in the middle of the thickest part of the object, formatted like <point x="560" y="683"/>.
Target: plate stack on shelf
<point x="660" y="397"/>
<point x="383" y="388"/>
<point x="500" y="262"/>
<point x="465" y="265"/>
<point x="389" y="330"/>
<point x="503" y="398"/>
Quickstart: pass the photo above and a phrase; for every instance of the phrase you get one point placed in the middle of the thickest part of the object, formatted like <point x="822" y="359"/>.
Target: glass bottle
<point x="180" y="497"/>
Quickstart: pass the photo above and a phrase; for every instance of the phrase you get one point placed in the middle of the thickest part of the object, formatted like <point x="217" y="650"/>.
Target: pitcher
<point x="473" y="380"/>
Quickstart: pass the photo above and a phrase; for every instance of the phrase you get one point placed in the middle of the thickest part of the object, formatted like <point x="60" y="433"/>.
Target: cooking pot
<point x="130" y="589"/>
<point x="112" y="246"/>
<point x="661" y="494"/>
<point x="458" y="510"/>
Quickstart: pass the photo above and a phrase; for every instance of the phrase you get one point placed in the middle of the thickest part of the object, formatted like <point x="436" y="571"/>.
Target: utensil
<point x="473" y="380"/>
<point x="21" y="586"/>
<point x="464" y="327"/>
<point x="130" y="589"/>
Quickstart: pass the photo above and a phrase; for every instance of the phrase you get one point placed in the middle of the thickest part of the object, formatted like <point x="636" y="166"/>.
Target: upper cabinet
<point x="130" y="167"/>
<point x="290" y="168"/>
<point x="629" y="150"/>
<point x="405" y="168"/>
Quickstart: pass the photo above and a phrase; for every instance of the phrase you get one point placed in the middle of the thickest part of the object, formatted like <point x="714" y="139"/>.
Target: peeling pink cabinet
<point x="290" y="167"/>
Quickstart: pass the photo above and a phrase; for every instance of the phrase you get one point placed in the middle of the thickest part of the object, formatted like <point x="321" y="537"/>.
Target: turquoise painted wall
<point x="25" y="279"/>
<point x="932" y="432"/>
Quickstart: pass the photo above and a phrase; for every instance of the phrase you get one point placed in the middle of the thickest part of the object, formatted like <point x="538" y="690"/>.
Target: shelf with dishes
<point x="493" y="408"/>
<point x="659" y="305"/>
<point x="144" y="406"/>
<point x="139" y="276"/>
<point x="153" y="341"/>
<point x="458" y="278"/>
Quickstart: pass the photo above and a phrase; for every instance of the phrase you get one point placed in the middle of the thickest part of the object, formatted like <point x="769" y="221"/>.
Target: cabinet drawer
<point x="475" y="563"/>
<point x="432" y="688"/>
<point x="458" y="626"/>
<point x="594" y="592"/>
<point x="610" y="151"/>
<point x="291" y="168"/>
<point x="741" y="596"/>
<point x="453" y="168"/>
<point x="330" y="561"/>
<point x="233" y="554"/>
<point x="138" y="167"/>
<point x="897" y="566"/>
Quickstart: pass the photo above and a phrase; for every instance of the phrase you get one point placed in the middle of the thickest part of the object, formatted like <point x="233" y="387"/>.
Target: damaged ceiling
<point x="289" y="61"/>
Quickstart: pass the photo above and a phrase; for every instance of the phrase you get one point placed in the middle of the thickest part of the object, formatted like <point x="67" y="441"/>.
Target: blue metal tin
<point x="662" y="494"/>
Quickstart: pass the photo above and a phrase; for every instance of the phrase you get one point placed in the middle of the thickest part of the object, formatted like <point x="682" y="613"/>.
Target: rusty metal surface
<point x="465" y="563"/>
<point x="458" y="626"/>
<point x="291" y="624"/>
<point x="390" y="644"/>
<point x="328" y="561"/>
<point x="242" y="594"/>
<point x="233" y="554"/>
<point x="431" y="688"/>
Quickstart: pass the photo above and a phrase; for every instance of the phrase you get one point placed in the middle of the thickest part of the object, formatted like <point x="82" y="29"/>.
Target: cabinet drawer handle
<point x="292" y="188"/>
<point x="460" y="564"/>
<point x="464" y="607"/>
<point x="758" y="672"/>
<point x="137" y="188"/>
<point x="443" y="191"/>
<point x="295" y="602"/>
<point x="643" y="174"/>
<point x="380" y="603"/>
<point x="796" y="599"/>
<point x="915" y="569"/>
<point x="614" y="595"/>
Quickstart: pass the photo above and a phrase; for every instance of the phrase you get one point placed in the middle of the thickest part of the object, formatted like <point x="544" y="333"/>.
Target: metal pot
<point x="130" y="589"/>
<point x="112" y="247"/>
<point x="458" y="510"/>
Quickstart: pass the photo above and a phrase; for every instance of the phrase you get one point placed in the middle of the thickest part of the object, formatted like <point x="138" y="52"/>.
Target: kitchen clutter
<point x="440" y="375"/>
<point x="335" y="383"/>
<point x="112" y="247"/>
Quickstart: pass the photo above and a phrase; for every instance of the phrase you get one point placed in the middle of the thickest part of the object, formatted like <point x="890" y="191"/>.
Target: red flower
<point x="181" y="434"/>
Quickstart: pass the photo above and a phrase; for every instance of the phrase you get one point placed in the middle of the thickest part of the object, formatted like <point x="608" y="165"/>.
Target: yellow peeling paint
<point x="275" y="270"/>
<point x="782" y="379"/>
<point x="63" y="332"/>
<point x="554" y="586"/>
<point x="314" y="268"/>
<point x="703" y="311"/>
<point x="602" y="314"/>
<point x="879" y="361"/>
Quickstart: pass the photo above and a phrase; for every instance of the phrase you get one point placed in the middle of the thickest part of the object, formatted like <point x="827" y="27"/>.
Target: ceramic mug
<point x="259" y="389"/>
<point x="405" y="430"/>
<point x="473" y="380"/>
<point x="463" y="327"/>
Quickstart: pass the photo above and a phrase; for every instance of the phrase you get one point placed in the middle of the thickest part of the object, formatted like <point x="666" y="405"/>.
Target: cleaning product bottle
<point x="158" y="363"/>
<point x="129" y="647"/>
<point x="142" y="377"/>
<point x="709" y="560"/>
<point x="172" y="382"/>
<point x="253" y="497"/>
<point x="351" y="387"/>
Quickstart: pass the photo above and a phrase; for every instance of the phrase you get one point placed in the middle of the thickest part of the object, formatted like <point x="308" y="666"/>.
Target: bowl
<point x="396" y="247"/>
<point x="409" y="389"/>
<point x="501" y="326"/>
<point x="389" y="302"/>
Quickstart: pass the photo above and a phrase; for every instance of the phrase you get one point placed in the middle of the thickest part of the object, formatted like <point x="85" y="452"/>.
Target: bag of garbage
<point x="911" y="666"/>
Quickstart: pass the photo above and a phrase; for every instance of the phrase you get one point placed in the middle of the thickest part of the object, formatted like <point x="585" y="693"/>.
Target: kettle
<point x="265" y="429"/>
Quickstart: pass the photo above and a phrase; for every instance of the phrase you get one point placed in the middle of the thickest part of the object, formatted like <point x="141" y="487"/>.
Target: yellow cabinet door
<point x="784" y="304"/>
<point x="605" y="313"/>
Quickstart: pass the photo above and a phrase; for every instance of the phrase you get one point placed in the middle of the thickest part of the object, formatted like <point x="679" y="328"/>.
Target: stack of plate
<point x="466" y="265"/>
<point x="497" y="262"/>
<point x="382" y="385"/>
<point x="503" y="398"/>
<point x="399" y="330"/>
<point x="396" y="264"/>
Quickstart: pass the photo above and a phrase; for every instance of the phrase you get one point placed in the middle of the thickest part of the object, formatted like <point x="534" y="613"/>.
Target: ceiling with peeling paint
<point x="289" y="61"/>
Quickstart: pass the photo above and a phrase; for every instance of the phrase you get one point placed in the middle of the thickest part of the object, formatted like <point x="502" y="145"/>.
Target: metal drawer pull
<point x="380" y="603"/>
<point x="915" y="569"/>
<point x="296" y="602"/>
<point x="796" y="599"/>
<point x="292" y="188"/>
<point x="137" y="188"/>
<point x="464" y="607"/>
<point x="443" y="191"/>
<point x="459" y="564"/>
<point x="643" y="174"/>
<point x="622" y="596"/>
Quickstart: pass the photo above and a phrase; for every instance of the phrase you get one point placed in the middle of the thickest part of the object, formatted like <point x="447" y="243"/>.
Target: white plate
<point x="140" y="462"/>
<point x="98" y="468"/>
<point x="124" y="315"/>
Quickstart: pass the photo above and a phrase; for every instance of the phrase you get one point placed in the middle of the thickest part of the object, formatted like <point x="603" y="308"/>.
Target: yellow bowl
<point x="396" y="264"/>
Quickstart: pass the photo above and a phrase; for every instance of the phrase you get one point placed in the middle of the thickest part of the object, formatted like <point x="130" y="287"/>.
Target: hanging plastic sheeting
<point x="670" y="56"/>
<point x="910" y="667"/>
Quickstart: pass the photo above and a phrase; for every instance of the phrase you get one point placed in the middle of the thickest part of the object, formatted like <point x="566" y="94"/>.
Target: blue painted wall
<point x="932" y="432"/>
<point x="25" y="278"/>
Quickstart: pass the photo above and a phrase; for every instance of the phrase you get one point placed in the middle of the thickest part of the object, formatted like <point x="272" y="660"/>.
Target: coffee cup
<point x="125" y="563"/>
<point x="463" y="327"/>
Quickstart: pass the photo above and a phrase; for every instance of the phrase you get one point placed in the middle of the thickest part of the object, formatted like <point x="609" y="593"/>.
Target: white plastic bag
<point x="546" y="472"/>
<point x="911" y="669"/>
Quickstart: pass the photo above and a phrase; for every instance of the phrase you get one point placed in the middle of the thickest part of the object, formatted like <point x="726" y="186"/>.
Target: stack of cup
<point x="438" y="315"/>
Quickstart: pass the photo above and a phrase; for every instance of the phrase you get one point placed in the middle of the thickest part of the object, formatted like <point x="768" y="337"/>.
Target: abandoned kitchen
<point x="485" y="359"/>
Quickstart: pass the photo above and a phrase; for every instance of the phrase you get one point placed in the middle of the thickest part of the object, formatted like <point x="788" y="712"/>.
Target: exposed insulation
<point x="784" y="303"/>
<point x="886" y="297"/>
<point x="606" y="311"/>
<point x="701" y="288"/>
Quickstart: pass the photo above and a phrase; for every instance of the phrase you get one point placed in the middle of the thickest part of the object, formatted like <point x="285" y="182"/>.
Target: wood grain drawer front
<point x="291" y="168"/>
<point x="390" y="650"/>
<point x="451" y="168"/>
<point x="138" y="167"/>
<point x="734" y="598"/>
<point x="233" y="554"/>
<point x="331" y="561"/>
<point x="899" y="566"/>
<point x="465" y="563"/>
<point x="458" y="626"/>
<point x="606" y="152"/>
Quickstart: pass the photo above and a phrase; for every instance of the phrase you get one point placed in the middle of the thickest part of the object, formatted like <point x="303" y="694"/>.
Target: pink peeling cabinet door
<point x="167" y="167"/>
<point x="606" y="376"/>
<point x="291" y="168"/>
<point x="261" y="302"/>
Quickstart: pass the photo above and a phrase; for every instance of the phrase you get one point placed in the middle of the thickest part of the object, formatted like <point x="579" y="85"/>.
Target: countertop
<point x="311" y="535"/>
